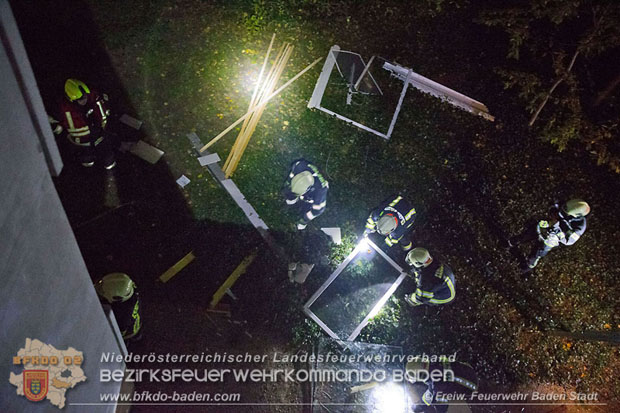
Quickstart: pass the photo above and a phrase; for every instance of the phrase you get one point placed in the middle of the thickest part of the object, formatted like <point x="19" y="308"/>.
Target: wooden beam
<point x="277" y="92"/>
<point x="254" y="119"/>
<point x="232" y="278"/>
<point x="174" y="270"/>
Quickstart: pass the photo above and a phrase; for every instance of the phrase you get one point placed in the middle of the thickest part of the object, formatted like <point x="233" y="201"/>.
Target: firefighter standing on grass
<point x="392" y="219"/>
<point x="84" y="115"/>
<point x="434" y="280"/>
<point x="565" y="225"/>
<point x="306" y="187"/>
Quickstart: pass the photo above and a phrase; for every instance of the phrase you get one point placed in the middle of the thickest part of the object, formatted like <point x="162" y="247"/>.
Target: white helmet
<point x="302" y="182"/>
<point x="577" y="208"/>
<point x="386" y="224"/>
<point x="419" y="257"/>
<point x="115" y="287"/>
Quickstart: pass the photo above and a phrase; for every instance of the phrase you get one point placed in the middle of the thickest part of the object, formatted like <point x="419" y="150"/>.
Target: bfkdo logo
<point x="36" y="384"/>
<point x="48" y="373"/>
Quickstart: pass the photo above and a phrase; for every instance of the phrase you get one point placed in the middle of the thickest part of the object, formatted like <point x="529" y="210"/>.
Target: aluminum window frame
<point x="378" y="305"/>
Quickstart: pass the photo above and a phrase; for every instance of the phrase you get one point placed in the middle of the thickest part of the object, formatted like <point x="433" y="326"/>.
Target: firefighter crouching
<point x="120" y="292"/>
<point x="434" y="280"/>
<point x="83" y="114"/>
<point x="392" y="219"/>
<point x="565" y="226"/>
<point x="306" y="187"/>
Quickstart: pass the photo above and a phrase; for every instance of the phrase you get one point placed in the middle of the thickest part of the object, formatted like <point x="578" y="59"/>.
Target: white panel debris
<point x="131" y="122"/>
<point x="146" y="152"/>
<point x="182" y="181"/>
<point x="209" y="159"/>
<point x="334" y="233"/>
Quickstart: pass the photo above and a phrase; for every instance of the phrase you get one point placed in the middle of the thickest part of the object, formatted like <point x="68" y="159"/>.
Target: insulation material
<point x="146" y="152"/>
<point x="131" y="122"/>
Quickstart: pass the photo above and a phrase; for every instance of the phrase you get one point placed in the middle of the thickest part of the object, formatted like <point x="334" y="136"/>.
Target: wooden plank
<point x="277" y="92"/>
<point x="232" y="279"/>
<point x="174" y="270"/>
<point x="255" y="118"/>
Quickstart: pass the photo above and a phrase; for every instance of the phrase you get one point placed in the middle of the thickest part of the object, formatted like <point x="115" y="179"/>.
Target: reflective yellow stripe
<point x="551" y="243"/>
<point x="79" y="133"/>
<point x="103" y="115"/>
<point x="410" y="213"/>
<point x="76" y="141"/>
<point x="426" y="294"/>
<point x="574" y="236"/>
<point x="427" y="397"/>
<point x="394" y="240"/>
<point x="394" y="202"/>
<point x="452" y="293"/>
<point x="466" y="383"/>
<point x="388" y="242"/>
<point x="69" y="120"/>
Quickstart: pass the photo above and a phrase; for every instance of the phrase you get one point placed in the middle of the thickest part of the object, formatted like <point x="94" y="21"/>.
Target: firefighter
<point x="306" y="187"/>
<point x="434" y="280"/>
<point x="565" y="225"/>
<point x="392" y="219"/>
<point x="120" y="292"/>
<point x="457" y="379"/>
<point x="84" y="115"/>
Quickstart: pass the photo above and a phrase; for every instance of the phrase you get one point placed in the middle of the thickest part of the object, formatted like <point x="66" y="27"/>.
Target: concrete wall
<point x="46" y="292"/>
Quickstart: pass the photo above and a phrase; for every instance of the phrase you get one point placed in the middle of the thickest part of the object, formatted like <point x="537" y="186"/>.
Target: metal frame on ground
<point x="377" y="307"/>
<point x="409" y="78"/>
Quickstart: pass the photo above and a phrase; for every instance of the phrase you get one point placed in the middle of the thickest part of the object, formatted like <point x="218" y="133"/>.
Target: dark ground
<point x="474" y="183"/>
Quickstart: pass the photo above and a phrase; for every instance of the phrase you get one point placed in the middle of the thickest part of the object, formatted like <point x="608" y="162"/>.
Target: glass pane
<point x="354" y="293"/>
<point x="351" y="66"/>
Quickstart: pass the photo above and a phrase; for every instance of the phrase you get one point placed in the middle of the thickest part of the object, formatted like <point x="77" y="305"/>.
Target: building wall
<point x="46" y="292"/>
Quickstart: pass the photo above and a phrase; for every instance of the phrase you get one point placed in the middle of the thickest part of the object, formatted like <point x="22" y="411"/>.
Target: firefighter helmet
<point x="302" y="182"/>
<point x="115" y="287"/>
<point x="577" y="208"/>
<point x="386" y="224"/>
<point x="419" y="257"/>
<point x="413" y="367"/>
<point x="75" y="89"/>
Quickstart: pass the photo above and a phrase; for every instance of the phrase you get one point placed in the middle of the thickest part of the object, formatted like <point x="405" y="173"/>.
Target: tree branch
<point x="555" y="85"/>
<point x="607" y="91"/>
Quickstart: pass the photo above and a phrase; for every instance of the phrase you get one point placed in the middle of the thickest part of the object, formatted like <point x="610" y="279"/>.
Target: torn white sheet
<point x="334" y="233"/>
<point x="183" y="180"/>
<point x="131" y="122"/>
<point x="209" y="159"/>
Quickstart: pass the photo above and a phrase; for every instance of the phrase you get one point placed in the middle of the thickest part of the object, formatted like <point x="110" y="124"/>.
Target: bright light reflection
<point x="388" y="398"/>
<point x="249" y="78"/>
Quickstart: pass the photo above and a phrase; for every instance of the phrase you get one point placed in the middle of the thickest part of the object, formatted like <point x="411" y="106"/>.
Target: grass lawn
<point x="188" y="66"/>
